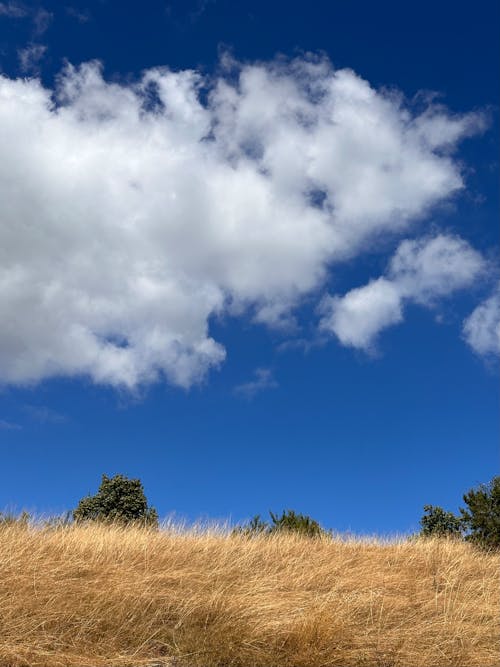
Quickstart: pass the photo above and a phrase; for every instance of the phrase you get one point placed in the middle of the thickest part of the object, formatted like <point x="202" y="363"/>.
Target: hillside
<point x="97" y="596"/>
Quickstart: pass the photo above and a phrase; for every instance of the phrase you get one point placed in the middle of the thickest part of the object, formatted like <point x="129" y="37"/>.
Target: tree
<point x="118" y="499"/>
<point x="482" y="515"/>
<point x="439" y="522"/>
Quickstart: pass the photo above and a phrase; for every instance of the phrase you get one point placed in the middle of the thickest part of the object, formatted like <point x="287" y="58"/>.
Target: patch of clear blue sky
<point x="361" y="444"/>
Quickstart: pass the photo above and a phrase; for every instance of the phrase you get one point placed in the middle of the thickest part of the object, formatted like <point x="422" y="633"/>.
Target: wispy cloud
<point x="263" y="380"/>
<point x="200" y="9"/>
<point x="13" y="10"/>
<point x="82" y="16"/>
<point x="41" y="21"/>
<point x="40" y="16"/>
<point x="32" y="54"/>
<point x="9" y="426"/>
<point x="316" y="340"/>
<point x="30" y="58"/>
<point x="44" y="415"/>
<point x="187" y="16"/>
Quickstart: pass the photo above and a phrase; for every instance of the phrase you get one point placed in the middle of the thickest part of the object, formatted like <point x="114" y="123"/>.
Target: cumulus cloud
<point x="134" y="213"/>
<point x="428" y="268"/>
<point x="362" y="313"/>
<point x="421" y="271"/>
<point x="482" y="328"/>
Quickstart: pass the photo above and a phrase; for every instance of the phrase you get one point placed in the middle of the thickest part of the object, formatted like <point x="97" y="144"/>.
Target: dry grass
<point x="105" y="596"/>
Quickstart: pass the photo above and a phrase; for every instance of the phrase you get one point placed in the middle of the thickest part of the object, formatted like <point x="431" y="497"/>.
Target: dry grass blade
<point x="97" y="596"/>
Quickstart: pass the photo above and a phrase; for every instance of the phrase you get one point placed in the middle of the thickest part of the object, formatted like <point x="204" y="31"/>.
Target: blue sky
<point x="252" y="257"/>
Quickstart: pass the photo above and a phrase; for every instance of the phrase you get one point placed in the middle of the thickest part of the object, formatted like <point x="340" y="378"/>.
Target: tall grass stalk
<point x="102" y="596"/>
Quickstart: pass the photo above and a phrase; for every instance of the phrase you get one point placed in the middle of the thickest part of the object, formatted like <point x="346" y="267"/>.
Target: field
<point x="95" y="596"/>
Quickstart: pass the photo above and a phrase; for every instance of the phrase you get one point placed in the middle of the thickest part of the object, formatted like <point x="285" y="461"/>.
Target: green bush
<point x="478" y="523"/>
<point x="437" y="521"/>
<point x="482" y="515"/>
<point x="289" y="521"/>
<point x="118" y="499"/>
<point x="254" y="527"/>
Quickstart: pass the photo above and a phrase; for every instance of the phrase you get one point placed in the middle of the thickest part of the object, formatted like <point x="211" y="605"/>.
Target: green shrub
<point x="118" y="499"/>
<point x="254" y="527"/>
<point x="437" y="521"/>
<point x="289" y="521"/>
<point x="482" y="515"/>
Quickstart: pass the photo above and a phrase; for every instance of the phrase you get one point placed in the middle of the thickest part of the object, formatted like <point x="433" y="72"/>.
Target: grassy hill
<point x="100" y="596"/>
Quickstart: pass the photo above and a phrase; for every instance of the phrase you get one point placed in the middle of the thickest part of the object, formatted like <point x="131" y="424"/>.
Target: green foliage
<point x="118" y="499"/>
<point x="289" y="521"/>
<point x="254" y="527"/>
<point x="439" y="522"/>
<point x="482" y="515"/>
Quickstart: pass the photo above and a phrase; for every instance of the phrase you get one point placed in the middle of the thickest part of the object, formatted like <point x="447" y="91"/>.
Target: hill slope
<point x="108" y="596"/>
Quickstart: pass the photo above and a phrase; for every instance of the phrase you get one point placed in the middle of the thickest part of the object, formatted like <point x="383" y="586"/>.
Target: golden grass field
<point x="108" y="596"/>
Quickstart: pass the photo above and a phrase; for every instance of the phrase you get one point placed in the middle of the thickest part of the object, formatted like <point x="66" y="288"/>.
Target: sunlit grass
<point x="110" y="596"/>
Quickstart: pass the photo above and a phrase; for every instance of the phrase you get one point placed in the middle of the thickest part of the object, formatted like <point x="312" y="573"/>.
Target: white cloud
<point x="30" y="57"/>
<point x="8" y="426"/>
<point x="44" y="415"/>
<point x="441" y="130"/>
<point x="13" y="10"/>
<point x="82" y="16"/>
<point x="40" y="17"/>
<point x="41" y="21"/>
<point x="132" y="213"/>
<point x="428" y="268"/>
<point x="421" y="271"/>
<point x="362" y="313"/>
<point x="263" y="380"/>
<point x="482" y="328"/>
